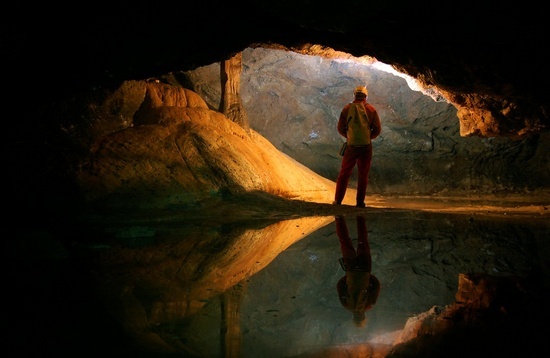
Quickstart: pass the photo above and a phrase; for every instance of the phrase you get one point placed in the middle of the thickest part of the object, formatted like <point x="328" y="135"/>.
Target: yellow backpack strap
<point x="352" y="111"/>
<point x="363" y="109"/>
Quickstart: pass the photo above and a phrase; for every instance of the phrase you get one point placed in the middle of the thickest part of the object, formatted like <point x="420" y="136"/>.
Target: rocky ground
<point x="262" y="206"/>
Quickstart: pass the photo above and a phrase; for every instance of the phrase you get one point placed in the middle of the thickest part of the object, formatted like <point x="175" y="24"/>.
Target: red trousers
<point x="355" y="259"/>
<point x="362" y="156"/>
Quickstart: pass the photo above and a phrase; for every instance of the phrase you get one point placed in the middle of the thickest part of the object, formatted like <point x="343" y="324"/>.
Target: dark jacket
<point x="365" y="293"/>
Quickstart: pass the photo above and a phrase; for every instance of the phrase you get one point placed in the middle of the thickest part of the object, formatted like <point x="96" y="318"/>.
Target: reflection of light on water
<point x="386" y="338"/>
<point x="278" y="284"/>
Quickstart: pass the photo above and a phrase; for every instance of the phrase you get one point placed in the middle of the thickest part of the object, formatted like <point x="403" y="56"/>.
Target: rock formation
<point x="88" y="123"/>
<point x="156" y="146"/>
<point x="470" y="56"/>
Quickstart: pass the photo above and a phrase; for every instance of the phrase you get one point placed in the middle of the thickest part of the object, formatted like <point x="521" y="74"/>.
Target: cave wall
<point x="294" y="101"/>
<point x="491" y="69"/>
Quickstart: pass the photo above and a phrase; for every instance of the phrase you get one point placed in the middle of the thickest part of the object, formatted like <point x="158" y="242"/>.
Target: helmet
<point x="361" y="89"/>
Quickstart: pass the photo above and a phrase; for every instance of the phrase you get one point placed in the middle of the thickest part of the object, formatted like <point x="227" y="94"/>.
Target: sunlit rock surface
<point x="294" y="101"/>
<point x="64" y="123"/>
<point x="471" y="56"/>
<point x="175" y="152"/>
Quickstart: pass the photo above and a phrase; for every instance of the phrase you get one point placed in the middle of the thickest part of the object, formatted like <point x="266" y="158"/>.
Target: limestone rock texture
<point x="487" y="313"/>
<point x="60" y="68"/>
<point x="102" y="111"/>
<point x="473" y="55"/>
<point x="294" y="100"/>
<point x="171" y="151"/>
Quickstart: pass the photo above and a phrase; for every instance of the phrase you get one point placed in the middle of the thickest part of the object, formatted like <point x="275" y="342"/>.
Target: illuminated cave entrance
<point x="294" y="101"/>
<point x="269" y="288"/>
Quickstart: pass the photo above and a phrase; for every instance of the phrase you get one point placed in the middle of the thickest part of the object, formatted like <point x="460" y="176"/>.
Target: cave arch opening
<point x="294" y="100"/>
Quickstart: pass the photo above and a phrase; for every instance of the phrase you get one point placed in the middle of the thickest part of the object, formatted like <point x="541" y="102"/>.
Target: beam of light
<point x="413" y="84"/>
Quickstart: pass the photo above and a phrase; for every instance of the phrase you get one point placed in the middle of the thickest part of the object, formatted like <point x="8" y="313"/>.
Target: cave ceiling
<point x="484" y="57"/>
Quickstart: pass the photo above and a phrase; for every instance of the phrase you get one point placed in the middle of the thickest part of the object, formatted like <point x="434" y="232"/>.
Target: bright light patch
<point x="313" y="135"/>
<point x="411" y="81"/>
<point x="413" y="85"/>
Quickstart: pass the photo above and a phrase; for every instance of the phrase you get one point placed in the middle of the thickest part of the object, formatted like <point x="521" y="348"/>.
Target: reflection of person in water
<point x="358" y="290"/>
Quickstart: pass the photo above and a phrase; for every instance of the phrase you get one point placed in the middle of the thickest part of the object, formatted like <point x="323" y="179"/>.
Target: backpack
<point x="358" y="132"/>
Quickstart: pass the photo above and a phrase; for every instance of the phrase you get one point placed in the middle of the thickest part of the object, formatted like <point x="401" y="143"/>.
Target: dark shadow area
<point x="271" y="288"/>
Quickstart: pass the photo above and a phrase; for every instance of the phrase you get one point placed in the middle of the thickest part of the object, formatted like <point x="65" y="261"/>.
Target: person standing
<point x="359" y="124"/>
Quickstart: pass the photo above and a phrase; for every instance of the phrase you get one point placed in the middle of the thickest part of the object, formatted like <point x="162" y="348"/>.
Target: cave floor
<point x="257" y="276"/>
